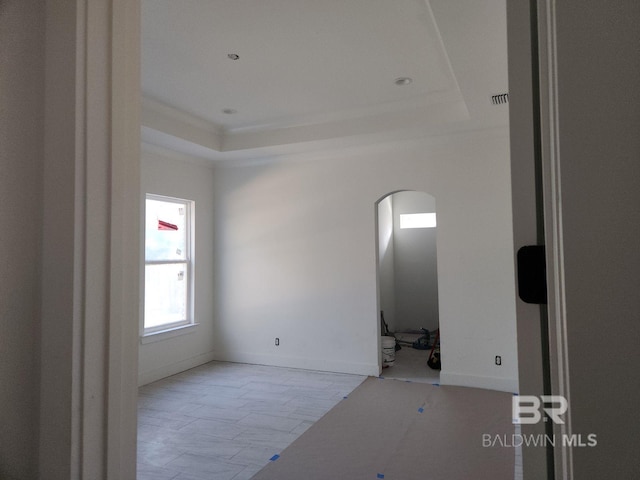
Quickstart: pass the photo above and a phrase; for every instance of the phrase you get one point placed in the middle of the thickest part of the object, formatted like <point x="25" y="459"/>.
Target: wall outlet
<point x="498" y="360"/>
<point x="277" y="342"/>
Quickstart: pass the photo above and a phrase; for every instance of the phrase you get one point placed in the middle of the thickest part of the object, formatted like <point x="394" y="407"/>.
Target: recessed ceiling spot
<point x="229" y="111"/>
<point x="233" y="56"/>
<point x="403" y="81"/>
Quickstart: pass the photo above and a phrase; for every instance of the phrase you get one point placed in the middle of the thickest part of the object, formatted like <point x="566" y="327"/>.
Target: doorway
<point x="407" y="281"/>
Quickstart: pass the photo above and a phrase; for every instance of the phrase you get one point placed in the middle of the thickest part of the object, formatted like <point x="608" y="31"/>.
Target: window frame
<point x="188" y="261"/>
<point x="412" y="221"/>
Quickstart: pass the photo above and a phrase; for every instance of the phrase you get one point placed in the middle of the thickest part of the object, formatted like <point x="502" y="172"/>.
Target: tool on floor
<point x="434" y="355"/>
<point x="422" y="343"/>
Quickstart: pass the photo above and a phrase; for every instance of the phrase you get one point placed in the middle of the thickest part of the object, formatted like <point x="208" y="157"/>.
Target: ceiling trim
<point x="438" y="114"/>
<point x="169" y="120"/>
<point x="172" y="128"/>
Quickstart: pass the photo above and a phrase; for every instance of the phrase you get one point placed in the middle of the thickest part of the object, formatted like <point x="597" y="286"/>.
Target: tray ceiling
<point x="224" y="76"/>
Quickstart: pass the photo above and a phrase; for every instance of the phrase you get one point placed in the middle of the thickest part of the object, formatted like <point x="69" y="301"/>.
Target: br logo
<point x="526" y="409"/>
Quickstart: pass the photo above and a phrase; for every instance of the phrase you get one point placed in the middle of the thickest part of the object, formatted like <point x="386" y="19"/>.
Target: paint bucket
<point x="388" y="351"/>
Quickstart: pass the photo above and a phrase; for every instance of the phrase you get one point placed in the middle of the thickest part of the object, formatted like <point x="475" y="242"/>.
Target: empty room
<point x="290" y="239"/>
<point x="281" y="130"/>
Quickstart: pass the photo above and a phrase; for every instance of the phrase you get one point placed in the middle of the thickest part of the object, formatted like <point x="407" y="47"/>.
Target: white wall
<point x="296" y="240"/>
<point x="165" y="173"/>
<point x="416" y="270"/>
<point x="386" y="270"/>
<point x="21" y="163"/>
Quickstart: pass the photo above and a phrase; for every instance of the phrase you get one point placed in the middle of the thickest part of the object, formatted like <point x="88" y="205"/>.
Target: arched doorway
<point x="407" y="281"/>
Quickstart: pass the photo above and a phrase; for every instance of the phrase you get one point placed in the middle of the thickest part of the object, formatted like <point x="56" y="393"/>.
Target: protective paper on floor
<point x="403" y="431"/>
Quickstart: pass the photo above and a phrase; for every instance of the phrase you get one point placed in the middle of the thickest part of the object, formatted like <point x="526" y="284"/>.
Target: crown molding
<point x="177" y="123"/>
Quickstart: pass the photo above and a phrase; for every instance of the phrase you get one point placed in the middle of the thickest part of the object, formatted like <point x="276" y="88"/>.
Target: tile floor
<point x="224" y="421"/>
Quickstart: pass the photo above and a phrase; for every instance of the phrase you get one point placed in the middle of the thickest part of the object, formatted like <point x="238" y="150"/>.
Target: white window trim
<point x="169" y="330"/>
<point x="158" y="336"/>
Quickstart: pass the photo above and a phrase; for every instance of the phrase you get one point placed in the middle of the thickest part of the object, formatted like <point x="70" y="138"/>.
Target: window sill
<point x="169" y="333"/>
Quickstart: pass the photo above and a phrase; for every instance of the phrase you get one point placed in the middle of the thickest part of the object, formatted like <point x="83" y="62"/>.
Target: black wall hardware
<point x="532" y="274"/>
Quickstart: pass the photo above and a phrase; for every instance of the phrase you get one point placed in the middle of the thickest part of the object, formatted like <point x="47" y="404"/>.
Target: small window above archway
<point x="418" y="220"/>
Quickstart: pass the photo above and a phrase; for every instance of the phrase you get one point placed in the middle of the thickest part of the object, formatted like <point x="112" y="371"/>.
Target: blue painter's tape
<point x="436" y="384"/>
<point x="381" y="377"/>
<point x="345" y="397"/>
<point x="380" y="475"/>
<point x="421" y="409"/>
<point x="274" y="458"/>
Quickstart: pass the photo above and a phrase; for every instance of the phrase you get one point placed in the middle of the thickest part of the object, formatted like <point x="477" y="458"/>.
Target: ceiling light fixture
<point x="229" y="111"/>
<point x="403" y="81"/>
<point x="233" y="56"/>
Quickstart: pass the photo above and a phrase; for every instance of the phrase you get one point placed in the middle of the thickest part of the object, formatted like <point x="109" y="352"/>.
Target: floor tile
<point x="257" y="395"/>
<point x="255" y="455"/>
<point x="163" y="419"/>
<point x="263" y="386"/>
<point x="215" y="468"/>
<point x="152" y="472"/>
<point x="302" y="427"/>
<point x="189" y="440"/>
<point x="223" y="401"/>
<point x="194" y="476"/>
<point x="269" y="421"/>
<point x="216" y="428"/>
<point x="156" y="454"/>
<point x="165" y="405"/>
<point x="248" y="472"/>
<point x="266" y="438"/>
<point x="224" y="421"/>
<point x="215" y="412"/>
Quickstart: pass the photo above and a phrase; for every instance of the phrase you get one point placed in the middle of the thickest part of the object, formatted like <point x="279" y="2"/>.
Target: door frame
<point x="533" y="118"/>
<point x="90" y="254"/>
<point x="103" y="137"/>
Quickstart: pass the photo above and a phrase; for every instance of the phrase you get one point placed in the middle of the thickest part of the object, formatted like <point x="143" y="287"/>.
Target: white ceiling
<point x="312" y="71"/>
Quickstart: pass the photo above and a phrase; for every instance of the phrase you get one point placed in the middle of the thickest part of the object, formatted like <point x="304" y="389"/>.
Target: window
<point x="168" y="278"/>
<point x="418" y="220"/>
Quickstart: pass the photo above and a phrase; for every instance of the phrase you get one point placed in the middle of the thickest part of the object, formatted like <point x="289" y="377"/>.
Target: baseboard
<point x="174" y="368"/>
<point x="322" y="365"/>
<point x="489" y="383"/>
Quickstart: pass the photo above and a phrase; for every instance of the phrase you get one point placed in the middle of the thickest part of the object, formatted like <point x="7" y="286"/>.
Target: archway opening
<point x="407" y="281"/>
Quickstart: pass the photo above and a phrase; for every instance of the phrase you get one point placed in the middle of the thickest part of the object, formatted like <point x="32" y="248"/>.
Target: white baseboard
<point x="174" y="368"/>
<point x="489" y="383"/>
<point x="322" y="365"/>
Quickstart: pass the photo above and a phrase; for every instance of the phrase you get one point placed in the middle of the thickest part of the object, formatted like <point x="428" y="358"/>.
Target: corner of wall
<point x="475" y="381"/>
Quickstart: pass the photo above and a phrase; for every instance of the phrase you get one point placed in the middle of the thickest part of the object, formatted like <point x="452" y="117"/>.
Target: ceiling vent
<point x="500" y="99"/>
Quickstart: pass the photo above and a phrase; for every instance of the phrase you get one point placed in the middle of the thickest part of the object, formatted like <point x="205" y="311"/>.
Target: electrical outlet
<point x="498" y="360"/>
<point x="277" y="342"/>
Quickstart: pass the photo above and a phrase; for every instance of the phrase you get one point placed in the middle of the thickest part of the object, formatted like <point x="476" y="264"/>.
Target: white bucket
<point x="388" y="351"/>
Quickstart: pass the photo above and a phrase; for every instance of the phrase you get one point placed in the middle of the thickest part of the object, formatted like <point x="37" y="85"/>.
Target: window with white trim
<point x="418" y="220"/>
<point x="168" y="277"/>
